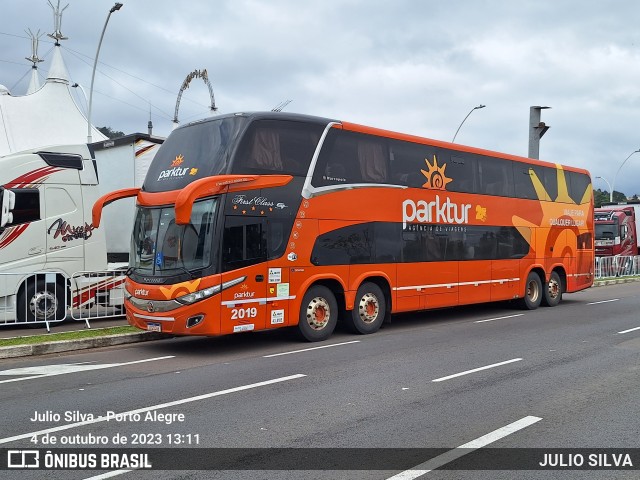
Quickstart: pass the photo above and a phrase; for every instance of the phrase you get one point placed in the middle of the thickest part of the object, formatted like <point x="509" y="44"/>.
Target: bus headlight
<point x="199" y="295"/>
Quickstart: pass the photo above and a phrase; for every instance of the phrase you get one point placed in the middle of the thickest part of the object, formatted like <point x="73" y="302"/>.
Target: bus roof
<point x="260" y="115"/>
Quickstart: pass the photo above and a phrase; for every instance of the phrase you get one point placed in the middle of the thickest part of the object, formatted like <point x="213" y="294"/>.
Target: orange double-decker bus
<point x="266" y="220"/>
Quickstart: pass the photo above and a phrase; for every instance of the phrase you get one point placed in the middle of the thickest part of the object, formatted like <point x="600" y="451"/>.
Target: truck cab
<point x="615" y="232"/>
<point x="46" y="234"/>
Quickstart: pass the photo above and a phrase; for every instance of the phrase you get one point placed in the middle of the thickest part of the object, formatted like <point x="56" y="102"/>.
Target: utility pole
<point x="536" y="130"/>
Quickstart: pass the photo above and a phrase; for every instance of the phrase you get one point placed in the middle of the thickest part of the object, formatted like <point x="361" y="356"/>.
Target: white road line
<point x="115" y="473"/>
<point x="64" y="368"/>
<point x="499" y="318"/>
<point x="630" y="330"/>
<point x="604" y="301"/>
<point x="462" y="450"/>
<point x="159" y="406"/>
<point x="309" y="349"/>
<point x="476" y="370"/>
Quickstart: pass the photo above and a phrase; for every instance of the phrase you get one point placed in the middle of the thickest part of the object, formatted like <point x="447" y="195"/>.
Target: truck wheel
<point x="369" y="310"/>
<point x="318" y="314"/>
<point x="532" y="292"/>
<point x="553" y="291"/>
<point x="40" y="301"/>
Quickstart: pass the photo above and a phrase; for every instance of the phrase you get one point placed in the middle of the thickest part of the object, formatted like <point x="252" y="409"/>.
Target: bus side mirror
<point x="7" y="204"/>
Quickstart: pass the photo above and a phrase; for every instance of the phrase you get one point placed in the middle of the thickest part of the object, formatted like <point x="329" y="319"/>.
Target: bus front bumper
<point x="184" y="320"/>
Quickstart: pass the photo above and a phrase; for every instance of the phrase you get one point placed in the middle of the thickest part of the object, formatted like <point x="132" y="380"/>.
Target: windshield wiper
<point x="184" y="270"/>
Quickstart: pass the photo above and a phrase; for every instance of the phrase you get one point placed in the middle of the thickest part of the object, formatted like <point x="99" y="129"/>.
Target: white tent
<point x="46" y="116"/>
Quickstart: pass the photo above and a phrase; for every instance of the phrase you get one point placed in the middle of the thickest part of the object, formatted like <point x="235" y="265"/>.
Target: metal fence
<point x="42" y="298"/>
<point x="98" y="294"/>
<point x="618" y="266"/>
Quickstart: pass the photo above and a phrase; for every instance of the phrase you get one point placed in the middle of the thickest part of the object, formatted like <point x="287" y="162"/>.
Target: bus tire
<point x="368" y="311"/>
<point x="318" y="314"/>
<point x="532" y="292"/>
<point x="39" y="301"/>
<point x="552" y="291"/>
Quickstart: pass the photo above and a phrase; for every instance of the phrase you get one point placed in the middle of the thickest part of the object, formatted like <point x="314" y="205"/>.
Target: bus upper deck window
<point x="373" y="165"/>
<point x="265" y="151"/>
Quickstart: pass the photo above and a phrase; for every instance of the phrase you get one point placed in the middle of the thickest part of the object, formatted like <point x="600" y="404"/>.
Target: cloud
<point x="411" y="66"/>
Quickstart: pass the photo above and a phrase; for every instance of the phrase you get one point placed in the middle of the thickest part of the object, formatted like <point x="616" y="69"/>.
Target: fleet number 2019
<point x="240" y="313"/>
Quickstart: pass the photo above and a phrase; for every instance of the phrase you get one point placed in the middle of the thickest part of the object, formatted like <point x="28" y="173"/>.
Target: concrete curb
<point x="80" y="344"/>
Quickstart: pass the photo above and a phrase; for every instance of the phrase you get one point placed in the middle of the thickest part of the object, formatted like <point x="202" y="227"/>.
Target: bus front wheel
<point x="369" y="310"/>
<point x="553" y="291"/>
<point x="318" y="314"/>
<point x="532" y="292"/>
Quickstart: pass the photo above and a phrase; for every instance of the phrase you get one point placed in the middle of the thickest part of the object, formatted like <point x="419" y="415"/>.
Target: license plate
<point x="154" y="327"/>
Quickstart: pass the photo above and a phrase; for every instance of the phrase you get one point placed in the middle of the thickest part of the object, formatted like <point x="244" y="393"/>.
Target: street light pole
<point x="618" y="171"/>
<point x="115" y="8"/>
<point x="607" y="182"/>
<point x="465" y="118"/>
<point x="86" y="99"/>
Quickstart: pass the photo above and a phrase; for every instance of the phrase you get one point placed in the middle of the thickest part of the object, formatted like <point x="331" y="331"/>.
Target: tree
<point x="600" y="197"/>
<point x="107" y="132"/>
<point x="619" y="196"/>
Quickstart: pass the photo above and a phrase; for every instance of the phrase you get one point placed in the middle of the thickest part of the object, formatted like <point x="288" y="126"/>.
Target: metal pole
<point x="115" y="8"/>
<point x="465" y="118"/>
<point x="608" y="185"/>
<point x="536" y="130"/>
<point x="86" y="99"/>
<point x="616" y="175"/>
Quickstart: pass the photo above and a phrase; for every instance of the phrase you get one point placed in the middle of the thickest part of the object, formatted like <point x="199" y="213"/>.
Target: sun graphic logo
<point x="178" y="161"/>
<point x="436" y="178"/>
<point x="180" y="289"/>
<point x="481" y="213"/>
<point x="245" y="293"/>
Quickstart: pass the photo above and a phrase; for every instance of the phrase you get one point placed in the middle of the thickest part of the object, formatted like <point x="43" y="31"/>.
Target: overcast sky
<point x="415" y="66"/>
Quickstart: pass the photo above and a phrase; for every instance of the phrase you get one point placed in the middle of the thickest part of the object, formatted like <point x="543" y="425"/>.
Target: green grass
<point x="626" y="277"/>
<point x="80" y="334"/>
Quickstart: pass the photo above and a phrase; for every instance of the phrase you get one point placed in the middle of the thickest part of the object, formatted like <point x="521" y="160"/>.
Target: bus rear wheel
<point x="553" y="291"/>
<point x="532" y="292"/>
<point x="369" y="310"/>
<point x="318" y="314"/>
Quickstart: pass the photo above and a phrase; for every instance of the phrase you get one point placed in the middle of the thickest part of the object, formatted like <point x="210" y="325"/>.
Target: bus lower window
<point x="243" y="243"/>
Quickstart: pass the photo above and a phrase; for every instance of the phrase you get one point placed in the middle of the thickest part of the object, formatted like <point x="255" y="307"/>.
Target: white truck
<point x="52" y="259"/>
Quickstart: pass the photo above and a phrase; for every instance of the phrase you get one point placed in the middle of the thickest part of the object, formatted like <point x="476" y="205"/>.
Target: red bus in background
<point x="266" y="220"/>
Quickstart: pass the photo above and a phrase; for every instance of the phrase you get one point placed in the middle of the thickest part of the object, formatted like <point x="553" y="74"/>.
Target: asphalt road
<point x="486" y="377"/>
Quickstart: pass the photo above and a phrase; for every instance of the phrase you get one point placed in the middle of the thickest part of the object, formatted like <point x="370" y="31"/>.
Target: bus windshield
<point x="160" y="247"/>
<point x="188" y="154"/>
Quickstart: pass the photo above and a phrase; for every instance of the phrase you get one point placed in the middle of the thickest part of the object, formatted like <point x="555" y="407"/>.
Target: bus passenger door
<point x="243" y="305"/>
<point x="244" y="268"/>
